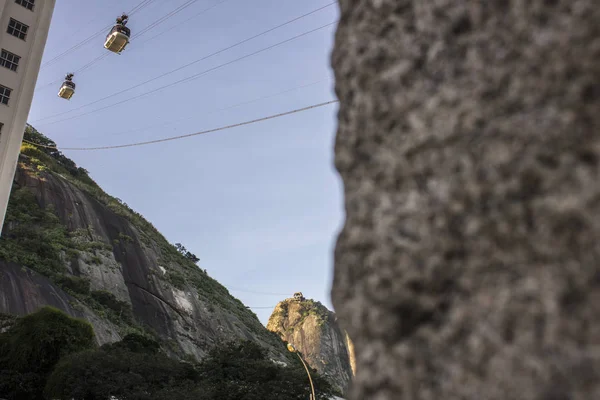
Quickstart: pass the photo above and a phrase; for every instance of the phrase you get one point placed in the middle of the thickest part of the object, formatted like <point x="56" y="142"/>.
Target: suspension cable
<point x="254" y="100"/>
<point x="187" y="79"/>
<point x="106" y="54"/>
<point x="183" y="22"/>
<point x="148" y="28"/>
<point x="189" y="134"/>
<point x="93" y="36"/>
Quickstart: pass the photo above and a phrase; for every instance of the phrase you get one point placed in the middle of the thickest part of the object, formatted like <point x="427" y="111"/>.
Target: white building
<point x="24" y="26"/>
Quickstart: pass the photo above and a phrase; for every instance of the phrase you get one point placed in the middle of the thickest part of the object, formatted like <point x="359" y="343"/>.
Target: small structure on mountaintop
<point x="298" y="296"/>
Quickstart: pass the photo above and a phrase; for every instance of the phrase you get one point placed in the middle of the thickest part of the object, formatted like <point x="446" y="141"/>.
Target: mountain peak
<point x="313" y="330"/>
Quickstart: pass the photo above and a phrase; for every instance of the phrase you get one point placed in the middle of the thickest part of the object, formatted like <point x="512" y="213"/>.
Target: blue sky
<point x="260" y="205"/>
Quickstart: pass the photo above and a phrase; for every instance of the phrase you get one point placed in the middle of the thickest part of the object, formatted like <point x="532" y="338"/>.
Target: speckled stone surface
<point x="469" y="146"/>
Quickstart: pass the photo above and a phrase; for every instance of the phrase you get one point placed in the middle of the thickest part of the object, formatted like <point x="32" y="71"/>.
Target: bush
<point x="243" y="371"/>
<point x="74" y="284"/>
<point x="136" y="369"/>
<point x="30" y="349"/>
<point x="52" y="157"/>
<point x="176" y="279"/>
<point x="36" y="237"/>
<point x="136" y="343"/>
<point x="51" y="354"/>
<point x="117" y="371"/>
<point x="109" y="300"/>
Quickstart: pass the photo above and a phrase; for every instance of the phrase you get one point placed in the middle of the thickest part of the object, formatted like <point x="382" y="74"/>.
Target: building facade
<point x="24" y="26"/>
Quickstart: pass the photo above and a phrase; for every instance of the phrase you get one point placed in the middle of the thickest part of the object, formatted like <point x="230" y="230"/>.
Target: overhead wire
<point x="148" y="28"/>
<point x="83" y="43"/>
<point x="141" y="33"/>
<point x="187" y="79"/>
<point x="190" y="63"/>
<point x="183" y="22"/>
<point x="189" y="134"/>
<point x="232" y="289"/>
<point x="146" y="2"/>
<point x="164" y="18"/>
<point x="75" y="33"/>
<point x="140" y="6"/>
<point x="94" y="61"/>
<point x="214" y="111"/>
<point x="75" y="47"/>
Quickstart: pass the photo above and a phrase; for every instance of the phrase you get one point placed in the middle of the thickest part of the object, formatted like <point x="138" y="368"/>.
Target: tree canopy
<point x="49" y="355"/>
<point x="30" y="349"/>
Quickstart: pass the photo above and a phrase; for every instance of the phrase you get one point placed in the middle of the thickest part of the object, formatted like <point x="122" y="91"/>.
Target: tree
<point x="30" y="349"/>
<point x="133" y="369"/>
<point x="136" y="369"/>
<point x="243" y="371"/>
<point x="190" y="256"/>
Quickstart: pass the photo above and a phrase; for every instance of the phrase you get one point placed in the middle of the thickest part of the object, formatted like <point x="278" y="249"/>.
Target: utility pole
<point x="24" y="26"/>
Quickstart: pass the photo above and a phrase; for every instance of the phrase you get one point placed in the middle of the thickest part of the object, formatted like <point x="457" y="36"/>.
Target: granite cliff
<point x="313" y="330"/>
<point x="68" y="244"/>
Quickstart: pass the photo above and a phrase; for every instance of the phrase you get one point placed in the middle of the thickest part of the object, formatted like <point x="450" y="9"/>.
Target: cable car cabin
<point x="117" y="39"/>
<point x="67" y="90"/>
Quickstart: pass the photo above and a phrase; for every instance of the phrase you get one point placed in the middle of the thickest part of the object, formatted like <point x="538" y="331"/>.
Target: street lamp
<point x="292" y="349"/>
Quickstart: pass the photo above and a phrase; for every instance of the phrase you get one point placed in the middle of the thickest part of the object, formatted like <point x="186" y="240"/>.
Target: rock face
<point x="314" y="331"/>
<point x="114" y="269"/>
<point x="469" y="148"/>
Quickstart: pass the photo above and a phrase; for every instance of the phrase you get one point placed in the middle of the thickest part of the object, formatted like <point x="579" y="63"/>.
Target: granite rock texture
<point x="314" y="331"/>
<point x="469" y="147"/>
<point x="189" y="316"/>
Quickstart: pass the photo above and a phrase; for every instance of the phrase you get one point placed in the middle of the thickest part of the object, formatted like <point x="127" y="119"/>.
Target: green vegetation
<point x="74" y="284"/>
<point x="56" y="162"/>
<point x="181" y="249"/>
<point x="108" y="300"/>
<point x="242" y="370"/>
<point x="316" y="309"/>
<point x="125" y="238"/>
<point x="48" y="355"/>
<point x="30" y="349"/>
<point x="36" y="238"/>
<point x="307" y="308"/>
<point x="177" y="279"/>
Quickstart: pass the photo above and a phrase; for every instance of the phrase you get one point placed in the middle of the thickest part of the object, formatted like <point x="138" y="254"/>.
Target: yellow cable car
<point x="119" y="35"/>
<point x="67" y="90"/>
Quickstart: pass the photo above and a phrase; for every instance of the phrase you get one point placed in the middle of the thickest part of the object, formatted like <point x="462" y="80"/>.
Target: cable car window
<point x="9" y="60"/>
<point x="4" y="94"/>
<point x="28" y="4"/>
<point x="17" y="29"/>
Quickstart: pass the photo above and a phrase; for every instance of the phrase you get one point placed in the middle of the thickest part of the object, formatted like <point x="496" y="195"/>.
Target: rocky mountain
<point x="68" y="244"/>
<point x="313" y="330"/>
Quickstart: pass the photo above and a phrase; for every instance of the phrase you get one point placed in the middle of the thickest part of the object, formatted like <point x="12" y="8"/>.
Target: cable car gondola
<point x="119" y="35"/>
<point x="67" y="90"/>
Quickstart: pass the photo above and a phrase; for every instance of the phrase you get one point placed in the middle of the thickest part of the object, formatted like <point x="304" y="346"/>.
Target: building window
<point x="4" y="94"/>
<point x="17" y="29"/>
<point x="9" y="60"/>
<point x="28" y="4"/>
